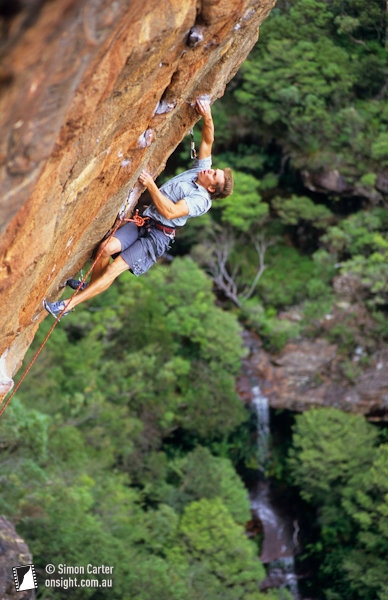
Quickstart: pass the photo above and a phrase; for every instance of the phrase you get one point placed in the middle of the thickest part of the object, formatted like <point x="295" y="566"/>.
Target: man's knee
<point x="114" y="269"/>
<point x="113" y="246"/>
<point x="109" y="274"/>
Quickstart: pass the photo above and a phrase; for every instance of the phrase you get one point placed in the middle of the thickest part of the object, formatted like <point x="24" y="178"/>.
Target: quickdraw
<point x="193" y="152"/>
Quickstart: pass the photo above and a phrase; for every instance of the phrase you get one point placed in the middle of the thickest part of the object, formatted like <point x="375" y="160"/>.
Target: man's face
<point x="210" y="178"/>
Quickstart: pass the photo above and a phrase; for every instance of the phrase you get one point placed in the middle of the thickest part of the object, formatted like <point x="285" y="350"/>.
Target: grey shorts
<point x="141" y="247"/>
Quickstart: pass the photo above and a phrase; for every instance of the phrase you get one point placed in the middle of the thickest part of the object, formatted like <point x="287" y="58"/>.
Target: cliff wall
<point x="13" y="552"/>
<point x="92" y="92"/>
<point x="309" y="372"/>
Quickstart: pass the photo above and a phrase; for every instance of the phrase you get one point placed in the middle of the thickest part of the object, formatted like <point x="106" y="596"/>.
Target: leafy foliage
<point x="115" y="383"/>
<point x="360" y="242"/>
<point x="367" y="504"/>
<point x="341" y="470"/>
<point x="306" y="84"/>
<point x="296" y="209"/>
<point x="329" y="433"/>
<point x="244" y="209"/>
<point x="210" y="537"/>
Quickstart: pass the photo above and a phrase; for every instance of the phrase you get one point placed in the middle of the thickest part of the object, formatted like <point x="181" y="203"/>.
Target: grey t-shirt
<point x="181" y="186"/>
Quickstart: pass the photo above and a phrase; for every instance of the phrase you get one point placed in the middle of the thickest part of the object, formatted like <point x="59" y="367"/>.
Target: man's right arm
<point x="205" y="148"/>
<point x="164" y="205"/>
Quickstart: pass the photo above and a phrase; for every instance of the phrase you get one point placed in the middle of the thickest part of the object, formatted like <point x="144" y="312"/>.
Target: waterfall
<point x="280" y="531"/>
<point x="278" y="546"/>
<point x="261" y="407"/>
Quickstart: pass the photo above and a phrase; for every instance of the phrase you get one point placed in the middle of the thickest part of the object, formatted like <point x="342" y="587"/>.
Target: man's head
<point x="218" y="182"/>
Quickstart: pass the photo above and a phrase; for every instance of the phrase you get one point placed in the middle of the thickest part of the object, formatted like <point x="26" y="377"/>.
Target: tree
<point x="360" y="245"/>
<point x="315" y="84"/>
<point x="341" y="471"/>
<point x="221" y="560"/>
<point x="366" y="502"/>
<point x="299" y="209"/>
<point x="329" y="447"/>
<point x="244" y="210"/>
<point x="199" y="475"/>
<point x="225" y="265"/>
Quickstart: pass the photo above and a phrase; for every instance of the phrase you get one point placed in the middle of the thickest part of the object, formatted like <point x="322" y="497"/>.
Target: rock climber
<point x="135" y="248"/>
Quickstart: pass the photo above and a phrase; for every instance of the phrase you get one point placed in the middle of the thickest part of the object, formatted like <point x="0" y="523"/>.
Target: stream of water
<point x="279" y="533"/>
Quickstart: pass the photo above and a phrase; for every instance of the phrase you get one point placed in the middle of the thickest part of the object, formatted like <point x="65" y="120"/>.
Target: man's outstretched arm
<point x="205" y="148"/>
<point x="165" y="207"/>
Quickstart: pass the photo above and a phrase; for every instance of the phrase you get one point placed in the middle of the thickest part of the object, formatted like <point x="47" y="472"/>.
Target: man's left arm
<point x="168" y="209"/>
<point x="205" y="148"/>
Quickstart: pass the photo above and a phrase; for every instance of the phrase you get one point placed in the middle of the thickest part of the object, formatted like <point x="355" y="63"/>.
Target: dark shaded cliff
<point x="91" y="92"/>
<point x="13" y="552"/>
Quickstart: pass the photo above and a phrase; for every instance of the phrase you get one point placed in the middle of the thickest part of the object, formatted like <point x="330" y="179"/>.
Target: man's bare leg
<point x="97" y="286"/>
<point x="107" y="277"/>
<point x="108" y="248"/>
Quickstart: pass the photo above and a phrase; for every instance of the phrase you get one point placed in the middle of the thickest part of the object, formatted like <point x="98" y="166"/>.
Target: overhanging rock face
<point x="91" y="92"/>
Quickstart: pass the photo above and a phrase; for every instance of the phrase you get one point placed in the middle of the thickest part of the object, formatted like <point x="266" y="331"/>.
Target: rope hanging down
<point x="139" y="220"/>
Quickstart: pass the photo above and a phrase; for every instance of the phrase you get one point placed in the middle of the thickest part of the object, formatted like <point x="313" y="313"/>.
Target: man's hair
<point x="225" y="190"/>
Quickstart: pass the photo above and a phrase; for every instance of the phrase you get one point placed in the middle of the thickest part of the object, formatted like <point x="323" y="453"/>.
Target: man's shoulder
<point x="199" y="164"/>
<point x="202" y="163"/>
<point x="184" y="184"/>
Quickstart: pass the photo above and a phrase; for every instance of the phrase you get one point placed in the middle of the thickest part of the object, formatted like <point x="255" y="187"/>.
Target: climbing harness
<point x="168" y="231"/>
<point x="193" y="152"/>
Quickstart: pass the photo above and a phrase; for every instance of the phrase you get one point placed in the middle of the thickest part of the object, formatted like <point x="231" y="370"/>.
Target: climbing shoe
<point x="55" y="308"/>
<point x="74" y="284"/>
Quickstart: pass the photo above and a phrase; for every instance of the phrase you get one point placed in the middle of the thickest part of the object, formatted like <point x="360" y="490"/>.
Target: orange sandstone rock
<point x="91" y="92"/>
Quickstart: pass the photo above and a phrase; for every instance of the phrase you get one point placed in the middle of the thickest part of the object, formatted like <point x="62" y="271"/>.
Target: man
<point x="136" y="248"/>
